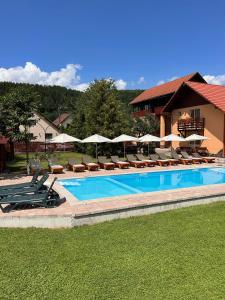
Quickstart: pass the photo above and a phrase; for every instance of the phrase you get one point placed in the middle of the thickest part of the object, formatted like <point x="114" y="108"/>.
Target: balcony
<point x="142" y="113"/>
<point x="191" y="124"/>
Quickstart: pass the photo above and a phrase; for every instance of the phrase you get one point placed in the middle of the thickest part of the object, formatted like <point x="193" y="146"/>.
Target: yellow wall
<point x="214" y="126"/>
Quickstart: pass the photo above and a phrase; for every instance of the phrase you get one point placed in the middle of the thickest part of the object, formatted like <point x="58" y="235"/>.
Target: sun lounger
<point x="119" y="163"/>
<point x="47" y="198"/>
<point x="134" y="162"/>
<point x="54" y="167"/>
<point x="206" y="159"/>
<point x="74" y="165"/>
<point x="35" y="166"/>
<point x="37" y="187"/>
<point x="160" y="162"/>
<point x="194" y="159"/>
<point x="88" y="164"/>
<point x="21" y="185"/>
<point x="104" y="164"/>
<point x="172" y="161"/>
<point x="184" y="161"/>
<point x="148" y="162"/>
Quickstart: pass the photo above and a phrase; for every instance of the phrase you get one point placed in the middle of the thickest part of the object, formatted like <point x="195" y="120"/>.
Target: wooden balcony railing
<point x="141" y="113"/>
<point x="191" y="124"/>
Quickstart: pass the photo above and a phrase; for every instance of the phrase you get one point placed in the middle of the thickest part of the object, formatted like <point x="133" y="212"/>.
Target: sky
<point x="137" y="43"/>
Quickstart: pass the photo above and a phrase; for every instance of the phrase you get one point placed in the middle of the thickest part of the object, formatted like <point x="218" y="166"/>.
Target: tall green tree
<point x="145" y="125"/>
<point x="100" y="111"/>
<point x="17" y="115"/>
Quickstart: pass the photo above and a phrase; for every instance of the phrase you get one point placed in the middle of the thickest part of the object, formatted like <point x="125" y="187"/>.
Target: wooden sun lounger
<point x="148" y="162"/>
<point x="184" y="161"/>
<point x="119" y="163"/>
<point x="54" y="167"/>
<point x="160" y="162"/>
<point x="74" y="165"/>
<point x="206" y="159"/>
<point x="172" y="161"/>
<point x="104" y="164"/>
<point x="134" y="162"/>
<point x="88" y="164"/>
<point x="194" y="160"/>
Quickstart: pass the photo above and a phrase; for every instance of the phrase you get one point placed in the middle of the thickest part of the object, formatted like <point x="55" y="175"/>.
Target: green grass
<point x="19" y="163"/>
<point x="172" y="255"/>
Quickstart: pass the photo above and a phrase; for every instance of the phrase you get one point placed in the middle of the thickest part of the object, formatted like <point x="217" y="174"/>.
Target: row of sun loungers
<point x="137" y="161"/>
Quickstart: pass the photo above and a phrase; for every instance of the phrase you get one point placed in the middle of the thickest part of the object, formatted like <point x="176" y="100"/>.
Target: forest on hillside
<point x="55" y="100"/>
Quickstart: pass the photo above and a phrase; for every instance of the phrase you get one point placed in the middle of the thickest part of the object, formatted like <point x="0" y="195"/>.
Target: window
<point x="195" y="113"/>
<point x="48" y="136"/>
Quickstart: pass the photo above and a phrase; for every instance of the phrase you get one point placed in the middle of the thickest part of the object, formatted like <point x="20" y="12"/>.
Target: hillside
<point x="56" y="99"/>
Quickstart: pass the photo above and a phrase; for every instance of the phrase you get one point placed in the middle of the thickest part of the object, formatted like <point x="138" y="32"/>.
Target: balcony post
<point x="162" y="129"/>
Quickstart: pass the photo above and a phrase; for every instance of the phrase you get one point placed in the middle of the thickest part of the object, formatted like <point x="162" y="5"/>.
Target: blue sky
<point x="138" y="42"/>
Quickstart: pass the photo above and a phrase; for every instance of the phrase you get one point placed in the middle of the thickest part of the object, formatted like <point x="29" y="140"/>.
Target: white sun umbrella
<point x="123" y="138"/>
<point x="64" y="138"/>
<point x="96" y="139"/>
<point x="196" y="137"/>
<point x="148" y="138"/>
<point x="173" y="138"/>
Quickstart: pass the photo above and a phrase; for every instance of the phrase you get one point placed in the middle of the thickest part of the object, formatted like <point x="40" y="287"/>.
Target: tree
<point x="145" y="125"/>
<point x="100" y="111"/>
<point x="17" y="115"/>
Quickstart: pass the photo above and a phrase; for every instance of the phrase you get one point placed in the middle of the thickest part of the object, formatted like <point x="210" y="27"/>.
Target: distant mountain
<point x="56" y="100"/>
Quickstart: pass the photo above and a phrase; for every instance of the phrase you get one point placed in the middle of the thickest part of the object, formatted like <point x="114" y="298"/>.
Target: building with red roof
<point x="186" y="106"/>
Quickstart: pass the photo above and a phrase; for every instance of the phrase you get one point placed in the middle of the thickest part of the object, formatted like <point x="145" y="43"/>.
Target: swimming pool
<point x="90" y="188"/>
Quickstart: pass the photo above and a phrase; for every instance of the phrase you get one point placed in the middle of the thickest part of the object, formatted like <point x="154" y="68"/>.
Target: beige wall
<point x="214" y="125"/>
<point x="42" y="126"/>
<point x="67" y="122"/>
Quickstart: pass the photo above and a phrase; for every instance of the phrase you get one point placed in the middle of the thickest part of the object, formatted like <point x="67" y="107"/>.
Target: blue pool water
<point x="117" y="185"/>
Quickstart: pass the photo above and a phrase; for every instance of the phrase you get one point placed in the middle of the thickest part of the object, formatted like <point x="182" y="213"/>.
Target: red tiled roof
<point x="211" y="92"/>
<point x="61" y="119"/>
<point x="165" y="88"/>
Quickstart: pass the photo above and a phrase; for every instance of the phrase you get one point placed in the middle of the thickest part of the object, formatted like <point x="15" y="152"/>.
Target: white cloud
<point x="219" y="79"/>
<point x="141" y="80"/>
<point x="67" y="77"/>
<point x="121" y="84"/>
<point x="167" y="80"/>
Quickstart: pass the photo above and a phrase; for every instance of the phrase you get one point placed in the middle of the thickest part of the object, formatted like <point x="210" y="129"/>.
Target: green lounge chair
<point x="39" y="186"/>
<point x="47" y="198"/>
<point x="21" y="185"/>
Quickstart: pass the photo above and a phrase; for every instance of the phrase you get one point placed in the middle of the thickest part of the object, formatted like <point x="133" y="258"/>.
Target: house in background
<point x="186" y="106"/>
<point x="42" y="131"/>
<point x="63" y="121"/>
<point x="199" y="108"/>
<point x="153" y="100"/>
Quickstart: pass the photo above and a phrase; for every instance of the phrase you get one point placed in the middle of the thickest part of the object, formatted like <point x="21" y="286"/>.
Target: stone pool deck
<point x="73" y="213"/>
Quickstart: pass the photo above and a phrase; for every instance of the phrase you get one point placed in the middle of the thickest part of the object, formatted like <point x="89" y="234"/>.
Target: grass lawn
<point x="172" y="255"/>
<point x="19" y="163"/>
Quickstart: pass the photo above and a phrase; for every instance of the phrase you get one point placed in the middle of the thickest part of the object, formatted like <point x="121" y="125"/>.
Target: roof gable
<point x="214" y="94"/>
<point x="167" y="88"/>
<point x="61" y="119"/>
